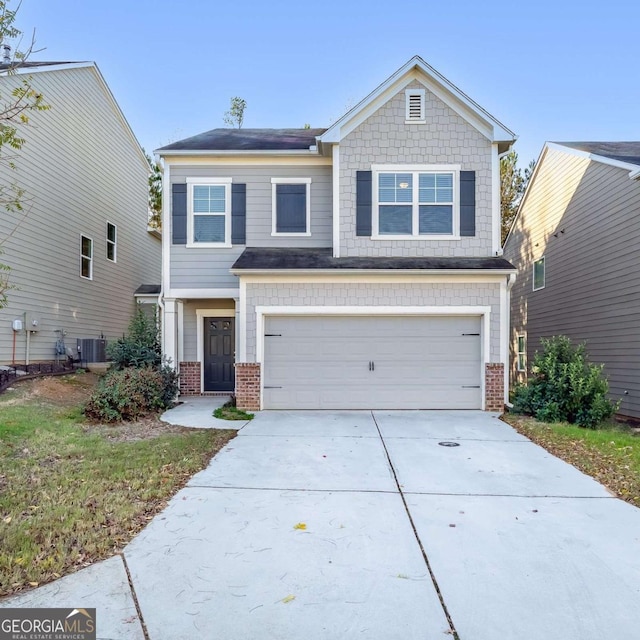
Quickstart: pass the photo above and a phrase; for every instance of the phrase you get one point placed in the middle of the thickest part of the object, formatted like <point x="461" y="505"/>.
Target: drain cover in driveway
<point x="449" y="444"/>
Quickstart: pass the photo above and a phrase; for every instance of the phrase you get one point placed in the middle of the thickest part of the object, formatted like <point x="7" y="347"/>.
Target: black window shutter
<point x="291" y="208"/>
<point x="363" y="202"/>
<point x="179" y="213"/>
<point x="238" y="213"/>
<point x="467" y="203"/>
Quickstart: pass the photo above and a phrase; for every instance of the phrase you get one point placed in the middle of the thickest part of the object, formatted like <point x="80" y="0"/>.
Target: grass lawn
<point x="610" y="454"/>
<point x="73" y="493"/>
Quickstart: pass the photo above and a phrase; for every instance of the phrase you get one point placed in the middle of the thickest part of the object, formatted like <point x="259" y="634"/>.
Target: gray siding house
<point x="576" y="245"/>
<point x="352" y="267"/>
<point x="81" y="248"/>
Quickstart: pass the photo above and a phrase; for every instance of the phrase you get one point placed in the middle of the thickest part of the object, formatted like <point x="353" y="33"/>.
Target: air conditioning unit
<point x="92" y="349"/>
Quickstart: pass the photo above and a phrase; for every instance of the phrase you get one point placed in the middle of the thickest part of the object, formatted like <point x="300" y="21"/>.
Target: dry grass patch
<point x="72" y="493"/>
<point x="610" y="454"/>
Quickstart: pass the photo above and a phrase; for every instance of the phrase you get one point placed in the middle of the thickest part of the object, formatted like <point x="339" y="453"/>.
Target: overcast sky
<point x="549" y="70"/>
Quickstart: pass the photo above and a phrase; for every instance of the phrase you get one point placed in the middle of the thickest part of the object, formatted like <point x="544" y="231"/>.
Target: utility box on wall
<point x="32" y="322"/>
<point x="92" y="349"/>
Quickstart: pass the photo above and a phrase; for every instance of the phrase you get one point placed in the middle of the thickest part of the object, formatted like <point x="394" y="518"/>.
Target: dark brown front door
<point x="219" y="354"/>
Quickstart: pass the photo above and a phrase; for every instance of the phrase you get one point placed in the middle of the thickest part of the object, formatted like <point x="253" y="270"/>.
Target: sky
<point x="549" y="70"/>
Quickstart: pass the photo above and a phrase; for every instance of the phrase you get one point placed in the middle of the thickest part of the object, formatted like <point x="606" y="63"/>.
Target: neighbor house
<point x="80" y="248"/>
<point x="351" y="267"/>
<point x="576" y="244"/>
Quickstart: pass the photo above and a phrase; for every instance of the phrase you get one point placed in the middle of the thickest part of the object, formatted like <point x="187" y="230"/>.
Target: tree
<point x="235" y="116"/>
<point x="155" y="194"/>
<point x="513" y="183"/>
<point x="16" y="104"/>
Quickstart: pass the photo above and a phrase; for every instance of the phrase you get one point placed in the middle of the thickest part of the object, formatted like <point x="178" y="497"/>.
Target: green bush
<point x="565" y="386"/>
<point x="140" y="347"/>
<point x="131" y="393"/>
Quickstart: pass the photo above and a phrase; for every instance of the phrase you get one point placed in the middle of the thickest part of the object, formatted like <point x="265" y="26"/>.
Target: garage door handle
<point x="372" y="365"/>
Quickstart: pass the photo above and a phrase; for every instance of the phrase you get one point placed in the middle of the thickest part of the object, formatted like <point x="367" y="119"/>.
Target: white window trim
<point x="114" y="243"/>
<point x="377" y="169"/>
<point x="423" y="117"/>
<point x="226" y="182"/>
<point x="544" y="274"/>
<point x="519" y="353"/>
<point x="274" y="212"/>
<point x="90" y="258"/>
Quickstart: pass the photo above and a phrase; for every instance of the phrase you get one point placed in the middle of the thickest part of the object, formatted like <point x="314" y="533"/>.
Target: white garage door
<point x="372" y="362"/>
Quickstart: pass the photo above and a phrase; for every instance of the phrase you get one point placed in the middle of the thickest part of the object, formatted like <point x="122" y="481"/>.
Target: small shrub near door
<point x="565" y="387"/>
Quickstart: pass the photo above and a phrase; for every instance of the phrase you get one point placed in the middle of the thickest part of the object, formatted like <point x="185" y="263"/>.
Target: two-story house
<point x="352" y="267"/>
<point x="80" y="247"/>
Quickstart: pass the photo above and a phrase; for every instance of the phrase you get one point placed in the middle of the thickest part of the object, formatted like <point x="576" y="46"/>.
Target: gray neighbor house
<point x="576" y="245"/>
<point x="81" y="248"/>
<point x="357" y="266"/>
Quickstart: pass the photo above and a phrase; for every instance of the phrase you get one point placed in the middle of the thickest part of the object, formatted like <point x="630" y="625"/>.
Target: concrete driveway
<point x="367" y="525"/>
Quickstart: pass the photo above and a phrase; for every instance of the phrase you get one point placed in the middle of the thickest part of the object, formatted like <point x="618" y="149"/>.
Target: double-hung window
<point x="291" y="206"/>
<point x="86" y="257"/>
<point x="209" y="212"/>
<point x="112" y="242"/>
<point x="522" y="353"/>
<point x="416" y="202"/>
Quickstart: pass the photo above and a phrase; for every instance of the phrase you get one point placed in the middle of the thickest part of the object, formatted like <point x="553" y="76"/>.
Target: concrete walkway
<point x="371" y="525"/>
<point x="197" y="412"/>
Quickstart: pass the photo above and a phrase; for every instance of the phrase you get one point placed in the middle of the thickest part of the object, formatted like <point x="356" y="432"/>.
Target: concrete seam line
<point x="415" y="533"/>
<point x="293" y="490"/>
<point x="135" y="598"/>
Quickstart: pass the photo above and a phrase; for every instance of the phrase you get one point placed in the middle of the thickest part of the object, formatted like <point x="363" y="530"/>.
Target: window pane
<point x="111" y="251"/>
<point x="538" y="274"/>
<point x="395" y="187"/>
<point x="208" y="228"/>
<point x="85" y="269"/>
<point x="86" y="247"/>
<point x="111" y="232"/>
<point x="291" y="208"/>
<point x="435" y="187"/>
<point x="394" y="220"/>
<point x="436" y="219"/>
<point x="209" y="199"/>
<point x="520" y="343"/>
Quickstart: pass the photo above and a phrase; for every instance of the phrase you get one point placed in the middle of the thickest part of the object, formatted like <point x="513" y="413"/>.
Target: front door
<point x="219" y="354"/>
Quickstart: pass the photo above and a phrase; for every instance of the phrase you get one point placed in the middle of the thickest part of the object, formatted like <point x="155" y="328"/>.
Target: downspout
<point x="511" y="280"/>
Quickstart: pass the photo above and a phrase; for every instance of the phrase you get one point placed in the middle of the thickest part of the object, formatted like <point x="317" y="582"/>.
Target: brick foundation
<point x="494" y="386"/>
<point x="190" y="378"/>
<point x="248" y="386"/>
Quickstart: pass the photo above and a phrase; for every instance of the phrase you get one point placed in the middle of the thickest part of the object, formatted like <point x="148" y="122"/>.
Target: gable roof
<point x="31" y="67"/>
<point x="626" y="152"/>
<point x="248" y="140"/>
<point x="417" y="68"/>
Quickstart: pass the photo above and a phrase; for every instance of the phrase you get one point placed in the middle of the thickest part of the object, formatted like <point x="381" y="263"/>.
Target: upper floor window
<point x="112" y="242"/>
<point x="86" y="257"/>
<point x="538" y="274"/>
<point x="415" y="105"/>
<point x="417" y="203"/>
<point x="291" y="206"/>
<point x="209" y="212"/>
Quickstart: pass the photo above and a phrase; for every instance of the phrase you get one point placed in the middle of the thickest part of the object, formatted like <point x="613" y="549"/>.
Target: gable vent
<point x="415" y="105"/>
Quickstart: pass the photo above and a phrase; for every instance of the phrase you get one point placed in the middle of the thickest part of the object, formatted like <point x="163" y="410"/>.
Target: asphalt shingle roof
<point x="282" y="259"/>
<point x="621" y="151"/>
<point x="247" y="140"/>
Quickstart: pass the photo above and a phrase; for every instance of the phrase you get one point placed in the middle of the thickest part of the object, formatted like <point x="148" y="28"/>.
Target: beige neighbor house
<point x="352" y="267"/>
<point x="576" y="244"/>
<point x="81" y="248"/>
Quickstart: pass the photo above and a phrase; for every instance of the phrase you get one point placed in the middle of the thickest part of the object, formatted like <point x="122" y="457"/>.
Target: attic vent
<point x="415" y="105"/>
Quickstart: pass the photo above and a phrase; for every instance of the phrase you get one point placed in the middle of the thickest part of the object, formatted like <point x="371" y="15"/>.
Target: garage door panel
<point x="418" y="362"/>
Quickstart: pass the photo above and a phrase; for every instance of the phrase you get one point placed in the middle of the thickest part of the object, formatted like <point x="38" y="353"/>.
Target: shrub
<point x="140" y="347"/>
<point x="565" y="386"/>
<point x="130" y="393"/>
